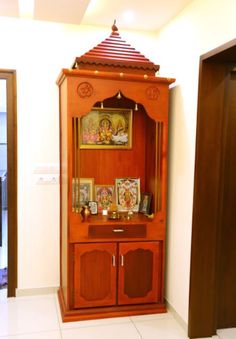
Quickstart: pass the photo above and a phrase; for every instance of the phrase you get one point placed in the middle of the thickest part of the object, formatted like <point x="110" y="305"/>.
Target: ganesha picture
<point x="106" y="128"/>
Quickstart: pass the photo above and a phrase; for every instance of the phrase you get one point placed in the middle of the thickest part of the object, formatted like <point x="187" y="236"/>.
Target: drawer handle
<point x="113" y="260"/>
<point x="118" y="230"/>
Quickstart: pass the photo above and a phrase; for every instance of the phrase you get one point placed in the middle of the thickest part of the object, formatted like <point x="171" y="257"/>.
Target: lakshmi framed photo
<point x="127" y="194"/>
<point x="104" y="196"/>
<point x="85" y="190"/>
<point x="106" y="128"/>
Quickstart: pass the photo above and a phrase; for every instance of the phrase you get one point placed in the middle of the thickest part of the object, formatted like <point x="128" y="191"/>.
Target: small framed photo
<point x="127" y="194"/>
<point x="93" y="205"/>
<point x="145" y="203"/>
<point x="105" y="196"/>
<point x="86" y="190"/>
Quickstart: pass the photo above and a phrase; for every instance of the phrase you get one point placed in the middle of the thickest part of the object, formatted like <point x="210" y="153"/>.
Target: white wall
<point x="2" y="95"/>
<point x="38" y="51"/>
<point x="199" y="28"/>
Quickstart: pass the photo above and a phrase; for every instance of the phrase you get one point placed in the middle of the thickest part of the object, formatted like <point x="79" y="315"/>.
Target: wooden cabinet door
<point x="139" y="273"/>
<point x="95" y="274"/>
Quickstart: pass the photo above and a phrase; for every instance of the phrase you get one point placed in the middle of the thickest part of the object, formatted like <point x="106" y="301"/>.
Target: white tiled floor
<point x="38" y="317"/>
<point x="3" y="248"/>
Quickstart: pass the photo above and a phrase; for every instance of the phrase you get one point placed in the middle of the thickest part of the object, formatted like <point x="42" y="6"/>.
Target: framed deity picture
<point x="127" y="194"/>
<point x="145" y="203"/>
<point x="93" y="205"/>
<point x="106" y="128"/>
<point x="86" y="190"/>
<point x="104" y="196"/>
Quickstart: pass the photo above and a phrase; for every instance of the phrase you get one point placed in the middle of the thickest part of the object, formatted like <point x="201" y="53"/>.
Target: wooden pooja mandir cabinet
<point x="113" y="267"/>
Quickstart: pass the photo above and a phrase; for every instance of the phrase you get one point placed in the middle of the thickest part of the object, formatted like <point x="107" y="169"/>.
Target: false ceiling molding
<point x="65" y="11"/>
<point x="148" y="15"/>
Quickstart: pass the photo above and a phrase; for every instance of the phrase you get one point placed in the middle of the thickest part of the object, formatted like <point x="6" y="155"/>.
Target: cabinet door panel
<point x="95" y="275"/>
<point x="139" y="273"/>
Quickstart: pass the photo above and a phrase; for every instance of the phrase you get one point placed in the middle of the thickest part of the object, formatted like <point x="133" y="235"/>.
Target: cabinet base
<point x="107" y="312"/>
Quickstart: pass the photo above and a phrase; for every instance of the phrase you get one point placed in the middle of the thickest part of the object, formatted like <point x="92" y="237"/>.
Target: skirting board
<point x="35" y="291"/>
<point x="177" y="317"/>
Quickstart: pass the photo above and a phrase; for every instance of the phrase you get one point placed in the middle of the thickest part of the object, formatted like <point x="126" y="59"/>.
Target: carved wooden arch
<point x="150" y="92"/>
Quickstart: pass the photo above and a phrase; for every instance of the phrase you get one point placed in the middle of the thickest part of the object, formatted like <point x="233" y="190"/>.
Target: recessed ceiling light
<point x="128" y="16"/>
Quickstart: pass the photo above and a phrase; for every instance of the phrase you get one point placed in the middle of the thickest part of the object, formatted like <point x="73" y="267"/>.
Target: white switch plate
<point x="47" y="179"/>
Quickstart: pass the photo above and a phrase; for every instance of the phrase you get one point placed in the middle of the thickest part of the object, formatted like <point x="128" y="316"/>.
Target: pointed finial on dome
<point x="114" y="28"/>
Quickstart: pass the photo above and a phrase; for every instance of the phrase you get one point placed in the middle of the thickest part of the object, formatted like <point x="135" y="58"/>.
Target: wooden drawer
<point x="117" y="231"/>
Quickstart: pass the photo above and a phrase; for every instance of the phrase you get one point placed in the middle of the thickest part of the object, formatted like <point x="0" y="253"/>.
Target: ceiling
<point x="147" y="15"/>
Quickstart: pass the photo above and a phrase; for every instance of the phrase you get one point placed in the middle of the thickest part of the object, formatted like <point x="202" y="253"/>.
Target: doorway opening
<point x="8" y="183"/>
<point x="3" y="185"/>
<point x="212" y="298"/>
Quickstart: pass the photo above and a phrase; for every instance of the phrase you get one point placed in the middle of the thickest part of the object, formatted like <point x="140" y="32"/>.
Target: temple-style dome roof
<point x="115" y="54"/>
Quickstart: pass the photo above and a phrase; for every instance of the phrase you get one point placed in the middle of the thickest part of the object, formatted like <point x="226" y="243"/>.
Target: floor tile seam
<point x="28" y="333"/>
<point x="136" y="328"/>
<point x="93" y="325"/>
<point x="28" y="299"/>
<point x="153" y="319"/>
<point x="58" y="315"/>
<point x="130" y="320"/>
<point x="61" y="335"/>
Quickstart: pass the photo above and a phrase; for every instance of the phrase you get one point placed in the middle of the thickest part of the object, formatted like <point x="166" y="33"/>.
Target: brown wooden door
<point x="139" y="272"/>
<point x="226" y="280"/>
<point x="10" y="77"/>
<point x="212" y="296"/>
<point x="95" y="275"/>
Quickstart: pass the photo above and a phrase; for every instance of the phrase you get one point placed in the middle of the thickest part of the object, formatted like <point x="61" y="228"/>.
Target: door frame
<point x="208" y="185"/>
<point x="10" y="77"/>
